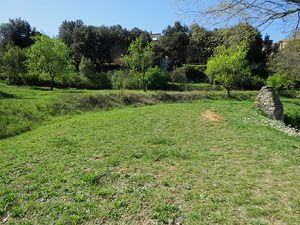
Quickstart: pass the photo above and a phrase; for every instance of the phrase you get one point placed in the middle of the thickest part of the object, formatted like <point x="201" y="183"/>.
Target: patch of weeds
<point x="60" y="142"/>
<point x="8" y="200"/>
<point x="166" y="183"/>
<point x="166" y="213"/>
<point x="188" y="197"/>
<point x="17" y="212"/>
<point x="137" y="154"/>
<point x="113" y="161"/>
<point x="257" y="222"/>
<point x="107" y="193"/>
<point x="80" y="198"/>
<point x="120" y="204"/>
<point x="141" y="179"/>
<point x="160" y="141"/>
<point x="115" y="215"/>
<point x="92" y="179"/>
<point x="157" y="154"/>
<point x="254" y="211"/>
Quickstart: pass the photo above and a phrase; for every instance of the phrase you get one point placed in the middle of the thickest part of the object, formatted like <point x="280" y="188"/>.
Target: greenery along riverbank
<point x="206" y="162"/>
<point x="24" y="108"/>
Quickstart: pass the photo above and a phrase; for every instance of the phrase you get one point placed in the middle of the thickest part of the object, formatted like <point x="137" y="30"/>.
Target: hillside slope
<point x="205" y="162"/>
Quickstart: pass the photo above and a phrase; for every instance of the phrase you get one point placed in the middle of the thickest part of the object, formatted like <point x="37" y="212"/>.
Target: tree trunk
<point x="52" y="83"/>
<point x="144" y="82"/>
<point x="228" y="92"/>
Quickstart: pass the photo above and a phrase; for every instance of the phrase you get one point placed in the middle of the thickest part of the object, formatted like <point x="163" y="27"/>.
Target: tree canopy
<point x="175" y="40"/>
<point x="17" y="30"/>
<point x="258" y="12"/>
<point x="139" y="58"/>
<point x="287" y="62"/>
<point x="49" y="57"/>
<point x="229" y="66"/>
<point x="13" y="63"/>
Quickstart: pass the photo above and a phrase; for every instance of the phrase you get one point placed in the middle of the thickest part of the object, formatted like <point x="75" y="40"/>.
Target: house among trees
<point x="282" y="43"/>
<point x="156" y="38"/>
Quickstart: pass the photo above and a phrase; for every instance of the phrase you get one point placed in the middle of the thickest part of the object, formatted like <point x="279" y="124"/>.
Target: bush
<point x="249" y="82"/>
<point x="156" y="79"/>
<point x="288" y="93"/>
<point x="195" y="73"/>
<point x="121" y="79"/>
<point x="89" y="78"/>
<point x="178" y="75"/>
<point x="279" y="82"/>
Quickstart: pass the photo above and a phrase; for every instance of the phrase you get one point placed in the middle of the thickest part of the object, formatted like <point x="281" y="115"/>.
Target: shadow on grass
<point x="40" y="88"/>
<point x="6" y="95"/>
<point x="75" y="91"/>
<point x="294" y="121"/>
<point x="60" y="90"/>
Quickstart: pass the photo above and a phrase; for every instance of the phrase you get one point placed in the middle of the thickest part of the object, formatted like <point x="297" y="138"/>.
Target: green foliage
<point x="122" y="79"/>
<point x="175" y="40"/>
<point x="89" y="78"/>
<point x="287" y="62"/>
<point x="139" y="59"/>
<point x="279" y="82"/>
<point x="178" y="75"/>
<point x="195" y="73"/>
<point x="229" y="66"/>
<point x="156" y="79"/>
<point x="50" y="58"/>
<point x="18" y="31"/>
<point x="13" y="63"/>
<point x="166" y="214"/>
<point x="202" y="43"/>
<point x="87" y="68"/>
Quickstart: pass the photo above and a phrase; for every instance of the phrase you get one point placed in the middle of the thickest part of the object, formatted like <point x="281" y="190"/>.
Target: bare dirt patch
<point x="211" y="116"/>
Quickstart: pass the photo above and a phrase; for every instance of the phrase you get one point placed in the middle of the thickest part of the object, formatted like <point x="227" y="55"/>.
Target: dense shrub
<point x="195" y="73"/>
<point x="88" y="76"/>
<point x="178" y="75"/>
<point x="279" y="81"/>
<point x="122" y="79"/>
<point x="156" y="79"/>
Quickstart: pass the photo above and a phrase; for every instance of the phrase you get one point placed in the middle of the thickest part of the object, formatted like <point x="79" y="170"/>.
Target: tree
<point x="49" y="57"/>
<point x="139" y="58"/>
<point x="156" y="79"/>
<point x="259" y="12"/>
<point x="67" y="29"/>
<point x="178" y="75"/>
<point x="287" y="62"/>
<point x="175" y="41"/>
<point x="17" y="30"/>
<point x="138" y="33"/>
<point x="13" y="63"/>
<point x="229" y="65"/>
<point x="202" y="43"/>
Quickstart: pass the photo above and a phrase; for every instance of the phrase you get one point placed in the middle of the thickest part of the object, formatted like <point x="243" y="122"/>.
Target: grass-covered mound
<point x="206" y="162"/>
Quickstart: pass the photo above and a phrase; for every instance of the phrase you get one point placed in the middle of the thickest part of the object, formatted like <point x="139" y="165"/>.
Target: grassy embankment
<point x="24" y="108"/>
<point x="206" y="162"/>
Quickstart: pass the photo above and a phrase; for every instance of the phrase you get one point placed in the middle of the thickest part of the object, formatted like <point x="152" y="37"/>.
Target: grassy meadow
<point x="209" y="161"/>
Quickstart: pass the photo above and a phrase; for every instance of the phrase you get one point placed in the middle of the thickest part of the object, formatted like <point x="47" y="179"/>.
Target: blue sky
<point x="150" y="15"/>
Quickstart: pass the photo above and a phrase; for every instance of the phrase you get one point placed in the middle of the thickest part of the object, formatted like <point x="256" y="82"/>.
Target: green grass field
<point x="25" y="108"/>
<point x="212" y="161"/>
<point x="205" y="162"/>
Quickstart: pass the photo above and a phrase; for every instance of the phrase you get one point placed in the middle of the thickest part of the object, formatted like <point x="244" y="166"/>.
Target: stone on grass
<point x="268" y="102"/>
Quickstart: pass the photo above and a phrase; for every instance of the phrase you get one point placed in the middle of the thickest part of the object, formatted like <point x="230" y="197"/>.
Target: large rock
<point x="269" y="102"/>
